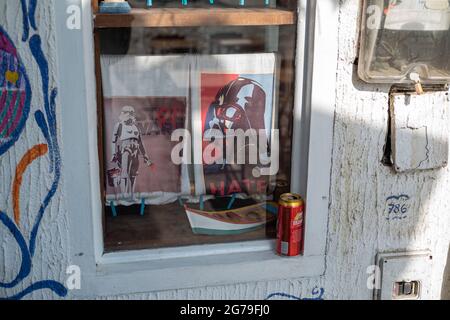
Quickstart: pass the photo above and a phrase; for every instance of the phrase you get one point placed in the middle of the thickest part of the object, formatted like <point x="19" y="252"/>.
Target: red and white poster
<point x="233" y="94"/>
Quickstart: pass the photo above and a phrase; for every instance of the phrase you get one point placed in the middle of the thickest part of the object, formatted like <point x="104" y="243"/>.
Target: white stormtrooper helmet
<point x="127" y="113"/>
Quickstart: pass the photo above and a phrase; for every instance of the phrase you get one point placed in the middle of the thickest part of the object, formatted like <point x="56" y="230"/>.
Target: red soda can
<point x="290" y="225"/>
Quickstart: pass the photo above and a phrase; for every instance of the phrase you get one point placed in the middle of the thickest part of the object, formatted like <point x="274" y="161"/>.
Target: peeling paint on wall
<point x="419" y="132"/>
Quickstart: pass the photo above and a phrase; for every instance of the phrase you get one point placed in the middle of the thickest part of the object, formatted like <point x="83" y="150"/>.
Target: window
<point x="123" y="272"/>
<point x="196" y="130"/>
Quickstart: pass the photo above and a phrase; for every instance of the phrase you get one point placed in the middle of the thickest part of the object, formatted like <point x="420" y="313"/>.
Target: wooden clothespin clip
<point x="418" y="85"/>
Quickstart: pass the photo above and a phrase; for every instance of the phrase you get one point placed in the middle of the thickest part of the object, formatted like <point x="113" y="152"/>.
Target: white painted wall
<point x="361" y="184"/>
<point x="358" y="227"/>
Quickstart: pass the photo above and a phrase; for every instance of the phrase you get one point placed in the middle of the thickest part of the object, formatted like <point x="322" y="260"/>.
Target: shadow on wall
<point x="373" y="208"/>
<point x="446" y="280"/>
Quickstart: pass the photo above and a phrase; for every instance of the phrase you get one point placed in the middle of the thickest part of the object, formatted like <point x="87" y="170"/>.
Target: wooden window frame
<point x="172" y="17"/>
<point x="177" y="268"/>
<point x="193" y="17"/>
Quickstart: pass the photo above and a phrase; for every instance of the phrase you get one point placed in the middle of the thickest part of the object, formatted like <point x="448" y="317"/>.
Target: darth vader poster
<point x="236" y="113"/>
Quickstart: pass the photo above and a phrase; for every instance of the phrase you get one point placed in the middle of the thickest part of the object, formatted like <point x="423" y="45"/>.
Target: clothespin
<point x="142" y="211"/>
<point x="231" y="202"/>
<point x="416" y="78"/>
<point x="202" y="203"/>
<point x="113" y="209"/>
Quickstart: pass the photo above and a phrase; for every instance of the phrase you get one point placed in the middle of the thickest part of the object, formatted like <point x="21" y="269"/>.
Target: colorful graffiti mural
<point x="16" y="97"/>
<point x="15" y="93"/>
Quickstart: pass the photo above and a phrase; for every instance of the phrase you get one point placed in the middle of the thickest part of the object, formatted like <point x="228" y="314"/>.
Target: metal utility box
<point x="405" y="41"/>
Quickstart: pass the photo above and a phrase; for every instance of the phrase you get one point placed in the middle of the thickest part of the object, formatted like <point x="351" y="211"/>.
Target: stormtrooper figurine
<point x="126" y="147"/>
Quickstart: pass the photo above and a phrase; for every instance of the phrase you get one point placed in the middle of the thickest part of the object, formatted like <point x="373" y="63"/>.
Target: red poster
<point x="231" y="102"/>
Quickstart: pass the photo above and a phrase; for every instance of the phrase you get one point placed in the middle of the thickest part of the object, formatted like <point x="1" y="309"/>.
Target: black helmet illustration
<point x="239" y="105"/>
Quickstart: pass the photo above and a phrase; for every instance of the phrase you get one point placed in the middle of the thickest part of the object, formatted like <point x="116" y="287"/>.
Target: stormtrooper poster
<point x="138" y="158"/>
<point x="236" y="113"/>
<point x="140" y="116"/>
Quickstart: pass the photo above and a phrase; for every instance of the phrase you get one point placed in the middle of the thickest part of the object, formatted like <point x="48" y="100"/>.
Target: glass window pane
<point x="197" y="129"/>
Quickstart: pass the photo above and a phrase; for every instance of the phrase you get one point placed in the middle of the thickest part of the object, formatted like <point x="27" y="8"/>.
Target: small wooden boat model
<point x="231" y="221"/>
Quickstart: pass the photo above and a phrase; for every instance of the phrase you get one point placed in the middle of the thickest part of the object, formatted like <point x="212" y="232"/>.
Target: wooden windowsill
<point x="164" y="226"/>
<point x="195" y="17"/>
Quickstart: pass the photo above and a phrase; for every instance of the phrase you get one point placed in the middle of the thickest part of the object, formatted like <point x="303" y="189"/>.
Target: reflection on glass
<point x="197" y="132"/>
